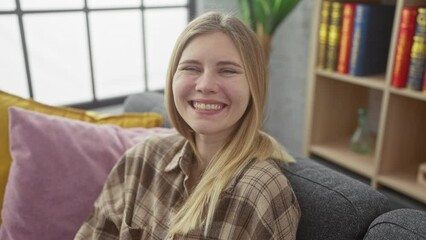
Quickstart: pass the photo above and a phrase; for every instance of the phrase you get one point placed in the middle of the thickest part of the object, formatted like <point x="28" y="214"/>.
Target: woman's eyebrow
<point x="190" y="61"/>
<point x="219" y="63"/>
<point x="229" y="63"/>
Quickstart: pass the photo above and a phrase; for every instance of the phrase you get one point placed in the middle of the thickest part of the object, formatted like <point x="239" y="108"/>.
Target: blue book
<point x="371" y="39"/>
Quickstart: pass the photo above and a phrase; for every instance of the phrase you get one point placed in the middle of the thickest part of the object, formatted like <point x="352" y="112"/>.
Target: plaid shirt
<point x="148" y="183"/>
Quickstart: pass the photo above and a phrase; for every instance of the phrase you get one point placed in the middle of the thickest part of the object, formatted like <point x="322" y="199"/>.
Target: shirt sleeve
<point x="262" y="205"/>
<point x="105" y="219"/>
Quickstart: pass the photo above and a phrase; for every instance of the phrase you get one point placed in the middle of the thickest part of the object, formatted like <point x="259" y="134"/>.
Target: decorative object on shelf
<point x="421" y="175"/>
<point x="361" y="141"/>
<point x="264" y="17"/>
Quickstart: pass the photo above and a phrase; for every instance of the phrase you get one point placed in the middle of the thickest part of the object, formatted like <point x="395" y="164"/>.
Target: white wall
<point x="288" y="72"/>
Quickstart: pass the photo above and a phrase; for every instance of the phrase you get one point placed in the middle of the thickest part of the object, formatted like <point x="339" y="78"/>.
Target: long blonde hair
<point x="250" y="141"/>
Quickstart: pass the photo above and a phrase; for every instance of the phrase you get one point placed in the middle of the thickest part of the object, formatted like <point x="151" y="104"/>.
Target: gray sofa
<point x="334" y="206"/>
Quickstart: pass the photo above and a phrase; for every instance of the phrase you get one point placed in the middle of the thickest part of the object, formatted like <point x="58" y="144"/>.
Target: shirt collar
<point x="181" y="158"/>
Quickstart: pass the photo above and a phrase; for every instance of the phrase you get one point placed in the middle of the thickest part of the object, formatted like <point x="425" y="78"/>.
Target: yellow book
<point x="333" y="39"/>
<point x="323" y="32"/>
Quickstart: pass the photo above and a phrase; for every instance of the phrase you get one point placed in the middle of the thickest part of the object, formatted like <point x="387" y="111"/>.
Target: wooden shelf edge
<point x="360" y="164"/>
<point x="409" y="93"/>
<point x="374" y="81"/>
<point x="405" y="184"/>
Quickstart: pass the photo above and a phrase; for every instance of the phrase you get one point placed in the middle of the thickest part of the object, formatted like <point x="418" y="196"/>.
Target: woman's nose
<point x="206" y="83"/>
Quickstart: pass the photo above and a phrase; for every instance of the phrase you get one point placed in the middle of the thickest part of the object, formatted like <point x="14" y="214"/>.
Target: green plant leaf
<point x="246" y="12"/>
<point x="280" y="11"/>
<point x="262" y="12"/>
<point x="264" y="16"/>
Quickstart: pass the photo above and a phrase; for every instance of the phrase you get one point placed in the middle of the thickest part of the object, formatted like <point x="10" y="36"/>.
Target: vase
<point x="361" y="141"/>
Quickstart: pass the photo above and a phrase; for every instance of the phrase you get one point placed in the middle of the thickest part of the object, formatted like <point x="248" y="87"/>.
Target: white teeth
<point x="204" y="106"/>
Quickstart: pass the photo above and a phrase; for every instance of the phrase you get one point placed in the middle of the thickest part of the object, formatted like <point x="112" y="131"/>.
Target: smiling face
<point x="210" y="88"/>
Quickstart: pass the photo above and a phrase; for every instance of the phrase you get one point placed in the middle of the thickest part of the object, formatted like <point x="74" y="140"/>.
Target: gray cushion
<point x="407" y="224"/>
<point x="333" y="205"/>
<point x="147" y="102"/>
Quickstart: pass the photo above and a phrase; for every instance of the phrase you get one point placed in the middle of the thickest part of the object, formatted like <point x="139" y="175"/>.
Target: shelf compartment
<point x="373" y="81"/>
<point x="339" y="153"/>
<point x="335" y="110"/>
<point x="403" y="145"/>
<point x="404" y="182"/>
<point x="403" y="141"/>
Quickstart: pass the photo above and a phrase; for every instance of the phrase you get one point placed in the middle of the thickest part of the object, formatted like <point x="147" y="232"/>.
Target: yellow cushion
<point x="127" y="120"/>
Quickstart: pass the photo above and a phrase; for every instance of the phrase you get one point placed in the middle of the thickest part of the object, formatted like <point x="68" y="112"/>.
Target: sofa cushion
<point x="9" y="100"/>
<point x="147" y="102"/>
<point x="59" y="167"/>
<point x="333" y="205"/>
<point x="407" y="224"/>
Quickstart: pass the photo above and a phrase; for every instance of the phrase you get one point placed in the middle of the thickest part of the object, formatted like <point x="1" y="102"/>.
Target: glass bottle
<point x="361" y="141"/>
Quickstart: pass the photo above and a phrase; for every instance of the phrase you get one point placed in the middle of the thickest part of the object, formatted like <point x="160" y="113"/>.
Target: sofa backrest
<point x="333" y="205"/>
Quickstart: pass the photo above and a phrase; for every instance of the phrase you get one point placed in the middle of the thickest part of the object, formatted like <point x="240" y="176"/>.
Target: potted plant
<point x="264" y="17"/>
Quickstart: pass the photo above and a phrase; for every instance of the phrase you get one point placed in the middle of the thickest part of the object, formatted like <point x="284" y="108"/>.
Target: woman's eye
<point x="189" y="69"/>
<point x="229" y="71"/>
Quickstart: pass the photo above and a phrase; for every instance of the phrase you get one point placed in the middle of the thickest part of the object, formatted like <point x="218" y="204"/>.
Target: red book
<point x="346" y="38"/>
<point x="403" y="48"/>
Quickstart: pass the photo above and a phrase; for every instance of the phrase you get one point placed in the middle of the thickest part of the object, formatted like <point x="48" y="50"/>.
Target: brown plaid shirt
<point x="148" y="183"/>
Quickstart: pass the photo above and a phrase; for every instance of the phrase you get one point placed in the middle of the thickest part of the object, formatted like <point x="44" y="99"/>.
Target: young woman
<point x="218" y="177"/>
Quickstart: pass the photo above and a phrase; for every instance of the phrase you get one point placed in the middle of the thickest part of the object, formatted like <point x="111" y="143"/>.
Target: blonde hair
<point x="250" y="141"/>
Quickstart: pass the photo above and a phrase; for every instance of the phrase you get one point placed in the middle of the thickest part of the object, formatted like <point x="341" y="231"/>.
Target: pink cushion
<point x="58" y="169"/>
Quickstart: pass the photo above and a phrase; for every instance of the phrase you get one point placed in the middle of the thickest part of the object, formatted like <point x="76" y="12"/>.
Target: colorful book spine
<point x="323" y="33"/>
<point x="405" y="40"/>
<point x="371" y="39"/>
<point x="333" y="38"/>
<point x="361" y="18"/>
<point x="346" y="38"/>
<point x="418" y="53"/>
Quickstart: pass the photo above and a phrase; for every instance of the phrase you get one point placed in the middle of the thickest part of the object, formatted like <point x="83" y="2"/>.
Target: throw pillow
<point x="8" y="100"/>
<point x="59" y="167"/>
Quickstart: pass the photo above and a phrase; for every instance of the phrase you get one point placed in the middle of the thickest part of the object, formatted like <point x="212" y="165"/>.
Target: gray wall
<point x="217" y="5"/>
<point x="288" y="72"/>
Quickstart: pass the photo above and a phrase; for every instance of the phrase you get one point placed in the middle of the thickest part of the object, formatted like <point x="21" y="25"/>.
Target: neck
<point x="207" y="147"/>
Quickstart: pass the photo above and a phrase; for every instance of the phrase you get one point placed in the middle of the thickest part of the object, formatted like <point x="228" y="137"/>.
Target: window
<point x="87" y="53"/>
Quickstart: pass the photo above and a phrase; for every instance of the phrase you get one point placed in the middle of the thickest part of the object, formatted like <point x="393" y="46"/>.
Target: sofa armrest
<point x="398" y="224"/>
<point x="334" y="206"/>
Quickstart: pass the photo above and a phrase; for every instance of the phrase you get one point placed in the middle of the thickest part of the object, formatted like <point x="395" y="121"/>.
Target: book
<point x="417" y="63"/>
<point x="424" y="81"/>
<point x="371" y="39"/>
<point x="346" y="38"/>
<point x="418" y="53"/>
<point x="333" y="38"/>
<point x="323" y="33"/>
<point x="403" y="48"/>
